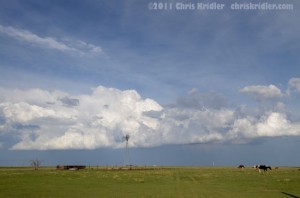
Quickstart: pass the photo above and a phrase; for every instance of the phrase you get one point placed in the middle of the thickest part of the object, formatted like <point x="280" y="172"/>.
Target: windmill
<point x="127" y="160"/>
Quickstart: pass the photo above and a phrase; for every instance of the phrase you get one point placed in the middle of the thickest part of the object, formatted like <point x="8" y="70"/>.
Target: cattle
<point x="262" y="167"/>
<point x="70" y="167"/>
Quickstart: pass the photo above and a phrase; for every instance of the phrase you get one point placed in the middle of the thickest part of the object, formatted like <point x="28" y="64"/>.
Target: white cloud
<point x="275" y="124"/>
<point x="68" y="45"/>
<point x="183" y="126"/>
<point x="295" y="84"/>
<point x="86" y="46"/>
<point x="261" y="92"/>
<point x="193" y="91"/>
<point x="24" y="112"/>
<point x="97" y="120"/>
<point x="41" y="120"/>
<point x="271" y="124"/>
<point x="33" y="96"/>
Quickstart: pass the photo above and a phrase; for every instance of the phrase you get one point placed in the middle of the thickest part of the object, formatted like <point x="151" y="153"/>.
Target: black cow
<point x="241" y="166"/>
<point x="263" y="167"/>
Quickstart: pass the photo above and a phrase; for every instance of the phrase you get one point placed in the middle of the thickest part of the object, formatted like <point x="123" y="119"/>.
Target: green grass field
<point x="150" y="182"/>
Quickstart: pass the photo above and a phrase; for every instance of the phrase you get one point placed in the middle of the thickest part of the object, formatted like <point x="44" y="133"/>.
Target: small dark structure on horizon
<point x="70" y="167"/>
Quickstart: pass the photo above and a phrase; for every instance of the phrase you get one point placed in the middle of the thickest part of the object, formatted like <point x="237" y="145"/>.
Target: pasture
<point x="149" y="182"/>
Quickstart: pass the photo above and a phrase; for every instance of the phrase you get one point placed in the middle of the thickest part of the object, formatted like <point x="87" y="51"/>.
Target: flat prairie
<point x="149" y="182"/>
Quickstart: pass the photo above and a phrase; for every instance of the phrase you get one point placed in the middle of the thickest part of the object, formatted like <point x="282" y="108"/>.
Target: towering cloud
<point x="85" y="121"/>
<point x="39" y="119"/>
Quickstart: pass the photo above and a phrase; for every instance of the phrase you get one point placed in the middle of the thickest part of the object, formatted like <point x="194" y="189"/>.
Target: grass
<point x="150" y="182"/>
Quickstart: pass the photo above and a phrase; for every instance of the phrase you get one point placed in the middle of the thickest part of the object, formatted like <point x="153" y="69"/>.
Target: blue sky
<point x="191" y="87"/>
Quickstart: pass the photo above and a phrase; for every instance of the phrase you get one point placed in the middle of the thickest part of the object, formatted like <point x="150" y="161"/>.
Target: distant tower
<point x="127" y="160"/>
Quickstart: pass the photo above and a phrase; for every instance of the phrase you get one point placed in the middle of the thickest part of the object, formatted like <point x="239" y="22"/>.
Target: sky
<point x="190" y="85"/>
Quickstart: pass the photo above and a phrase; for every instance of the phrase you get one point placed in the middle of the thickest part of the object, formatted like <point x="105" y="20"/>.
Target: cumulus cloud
<point x="261" y="92"/>
<point x="85" y="121"/>
<point x="68" y="45"/>
<point x="39" y="119"/>
<point x="184" y="126"/>
<point x="294" y="83"/>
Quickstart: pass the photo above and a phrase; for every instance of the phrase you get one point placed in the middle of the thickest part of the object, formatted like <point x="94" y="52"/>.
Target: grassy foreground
<point x="150" y="182"/>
